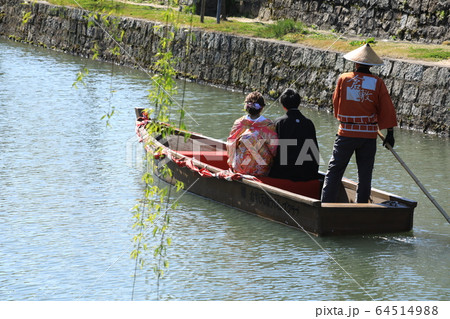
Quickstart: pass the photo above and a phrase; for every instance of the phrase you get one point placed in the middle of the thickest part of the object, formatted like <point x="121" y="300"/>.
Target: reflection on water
<point x="67" y="183"/>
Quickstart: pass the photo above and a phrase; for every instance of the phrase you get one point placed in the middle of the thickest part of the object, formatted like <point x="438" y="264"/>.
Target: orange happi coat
<point x="362" y="105"/>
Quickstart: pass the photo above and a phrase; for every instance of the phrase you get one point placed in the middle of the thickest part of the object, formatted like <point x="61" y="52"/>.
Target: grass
<point x="361" y="42"/>
<point x="286" y="30"/>
<point x="436" y="53"/>
<point x="282" y="28"/>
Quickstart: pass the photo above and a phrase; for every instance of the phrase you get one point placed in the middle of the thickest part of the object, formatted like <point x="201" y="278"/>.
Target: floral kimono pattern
<point x="251" y="146"/>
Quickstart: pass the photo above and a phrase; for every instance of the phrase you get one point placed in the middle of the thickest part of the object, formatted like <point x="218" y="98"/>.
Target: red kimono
<point x="251" y="146"/>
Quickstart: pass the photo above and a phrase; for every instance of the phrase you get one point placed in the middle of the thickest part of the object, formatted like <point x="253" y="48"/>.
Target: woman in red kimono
<point x="252" y="143"/>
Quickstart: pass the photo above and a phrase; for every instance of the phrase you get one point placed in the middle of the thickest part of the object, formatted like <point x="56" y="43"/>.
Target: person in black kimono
<point x="297" y="155"/>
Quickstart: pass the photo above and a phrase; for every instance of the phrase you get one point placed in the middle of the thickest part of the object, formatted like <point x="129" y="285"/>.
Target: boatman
<point x="363" y="106"/>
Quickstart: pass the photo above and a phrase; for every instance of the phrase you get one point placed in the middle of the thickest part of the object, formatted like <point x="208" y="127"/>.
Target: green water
<point x="67" y="183"/>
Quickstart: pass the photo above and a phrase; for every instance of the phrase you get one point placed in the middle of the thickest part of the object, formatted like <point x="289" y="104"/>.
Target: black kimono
<point x="297" y="156"/>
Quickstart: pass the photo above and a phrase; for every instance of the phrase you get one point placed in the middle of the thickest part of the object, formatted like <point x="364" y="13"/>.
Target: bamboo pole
<point x="431" y="198"/>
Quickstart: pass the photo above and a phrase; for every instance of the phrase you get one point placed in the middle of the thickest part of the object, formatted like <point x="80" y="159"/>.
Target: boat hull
<point x="388" y="213"/>
<point x="289" y="209"/>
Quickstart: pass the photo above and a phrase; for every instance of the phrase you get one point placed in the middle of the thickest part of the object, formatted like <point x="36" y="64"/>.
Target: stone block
<point x="425" y="95"/>
<point x="330" y="59"/>
<point x="331" y="79"/>
<point x="260" y="48"/>
<point x="267" y="69"/>
<point x="250" y="46"/>
<point x="429" y="75"/>
<point x="317" y="59"/>
<point x="437" y="99"/>
<point x="385" y="69"/>
<point x="384" y="4"/>
<point x="306" y="58"/>
<point x="414" y="72"/>
<point x="404" y="108"/>
<point x="397" y="88"/>
<point x="416" y="110"/>
<point x="443" y="77"/>
<point x="409" y="92"/>
<point x="389" y="83"/>
<point x="312" y="77"/>
<point x="398" y="70"/>
<point x="297" y="58"/>
<point x="340" y="64"/>
<point x="236" y="44"/>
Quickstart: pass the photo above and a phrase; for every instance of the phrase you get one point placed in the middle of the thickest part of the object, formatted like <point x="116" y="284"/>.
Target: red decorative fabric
<point x="214" y="158"/>
<point x="225" y="174"/>
<point x="140" y="123"/>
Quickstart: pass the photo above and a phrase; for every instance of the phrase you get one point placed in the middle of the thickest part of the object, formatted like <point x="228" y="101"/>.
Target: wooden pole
<point x="224" y="11"/>
<point x="202" y="11"/>
<point x="219" y="8"/>
<point x="431" y="198"/>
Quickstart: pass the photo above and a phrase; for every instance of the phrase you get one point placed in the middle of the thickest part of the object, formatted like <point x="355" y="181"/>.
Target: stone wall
<point x="421" y="93"/>
<point x="416" y="20"/>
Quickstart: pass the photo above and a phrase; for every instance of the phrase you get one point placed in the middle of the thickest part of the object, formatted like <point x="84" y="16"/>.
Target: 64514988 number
<point x="405" y="310"/>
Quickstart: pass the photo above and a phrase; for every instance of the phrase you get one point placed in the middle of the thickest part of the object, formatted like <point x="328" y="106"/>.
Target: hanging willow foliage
<point x="152" y="213"/>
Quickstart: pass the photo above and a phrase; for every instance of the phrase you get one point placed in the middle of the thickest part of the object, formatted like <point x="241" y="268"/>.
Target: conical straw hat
<point x="364" y="55"/>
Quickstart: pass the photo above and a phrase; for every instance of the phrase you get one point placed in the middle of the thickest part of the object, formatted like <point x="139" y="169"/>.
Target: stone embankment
<point x="420" y="92"/>
<point x="412" y="20"/>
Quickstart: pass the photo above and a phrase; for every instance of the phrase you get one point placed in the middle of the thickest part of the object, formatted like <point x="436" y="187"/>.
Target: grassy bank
<point x="294" y="32"/>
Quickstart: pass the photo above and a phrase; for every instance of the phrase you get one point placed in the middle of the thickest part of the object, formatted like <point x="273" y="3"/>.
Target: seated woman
<point x="252" y="143"/>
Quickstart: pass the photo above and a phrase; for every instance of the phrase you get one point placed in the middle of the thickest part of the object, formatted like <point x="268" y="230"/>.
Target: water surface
<point x="68" y="181"/>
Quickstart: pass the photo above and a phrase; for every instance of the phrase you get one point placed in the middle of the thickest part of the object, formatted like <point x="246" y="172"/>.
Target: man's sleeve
<point x="387" y="116"/>
<point x="337" y="96"/>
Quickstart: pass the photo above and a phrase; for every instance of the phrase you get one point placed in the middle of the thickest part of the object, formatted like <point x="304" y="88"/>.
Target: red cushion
<point x="213" y="158"/>
<point x="308" y="188"/>
<point x="219" y="159"/>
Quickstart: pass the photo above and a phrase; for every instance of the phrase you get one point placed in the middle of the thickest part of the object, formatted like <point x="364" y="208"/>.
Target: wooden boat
<point x="200" y="163"/>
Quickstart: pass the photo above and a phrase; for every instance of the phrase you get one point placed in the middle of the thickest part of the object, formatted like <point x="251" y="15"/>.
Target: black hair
<point x="252" y="111"/>
<point x="290" y="99"/>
